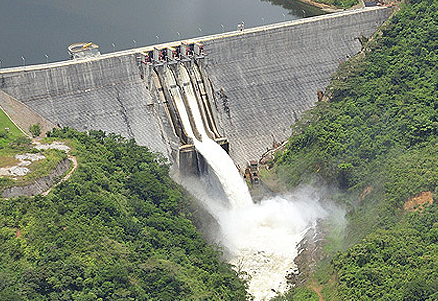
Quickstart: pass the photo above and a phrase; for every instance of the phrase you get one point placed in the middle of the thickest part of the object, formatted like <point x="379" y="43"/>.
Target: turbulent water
<point x="260" y="239"/>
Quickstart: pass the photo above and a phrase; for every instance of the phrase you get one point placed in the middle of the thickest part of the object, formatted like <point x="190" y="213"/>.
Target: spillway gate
<point x="179" y="78"/>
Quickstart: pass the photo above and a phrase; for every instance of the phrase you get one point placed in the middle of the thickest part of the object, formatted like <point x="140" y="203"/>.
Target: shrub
<point x="21" y="140"/>
<point x="3" y="134"/>
<point x="35" y="130"/>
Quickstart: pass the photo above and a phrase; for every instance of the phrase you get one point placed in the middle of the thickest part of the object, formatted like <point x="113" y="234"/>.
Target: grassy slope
<point x="5" y="122"/>
<point x="7" y="136"/>
<point x="14" y="142"/>
<point x="379" y="133"/>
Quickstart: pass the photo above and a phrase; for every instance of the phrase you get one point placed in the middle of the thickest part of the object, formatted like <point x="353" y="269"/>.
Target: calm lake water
<point x="41" y="30"/>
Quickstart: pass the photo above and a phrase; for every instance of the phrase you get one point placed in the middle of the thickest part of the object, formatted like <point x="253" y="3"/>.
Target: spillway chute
<point x="181" y="86"/>
<point x="171" y="111"/>
<point x="195" y="106"/>
<point x="179" y="102"/>
<point x="203" y="96"/>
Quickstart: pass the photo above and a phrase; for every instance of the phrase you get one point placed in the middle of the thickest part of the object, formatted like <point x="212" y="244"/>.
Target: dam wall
<point x="106" y="93"/>
<point x="265" y="79"/>
<point x="262" y="79"/>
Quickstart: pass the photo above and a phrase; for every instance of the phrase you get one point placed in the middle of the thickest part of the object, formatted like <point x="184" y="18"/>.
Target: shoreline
<point x="331" y="8"/>
<point x="322" y="6"/>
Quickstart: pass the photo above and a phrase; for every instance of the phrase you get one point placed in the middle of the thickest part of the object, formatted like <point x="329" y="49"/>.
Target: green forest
<point x="116" y="230"/>
<point x="375" y="138"/>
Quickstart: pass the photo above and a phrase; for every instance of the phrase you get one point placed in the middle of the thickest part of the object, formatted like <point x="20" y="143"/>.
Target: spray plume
<point x="259" y="239"/>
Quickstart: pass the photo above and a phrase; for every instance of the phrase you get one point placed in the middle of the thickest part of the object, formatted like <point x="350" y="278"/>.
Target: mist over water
<point x="259" y="239"/>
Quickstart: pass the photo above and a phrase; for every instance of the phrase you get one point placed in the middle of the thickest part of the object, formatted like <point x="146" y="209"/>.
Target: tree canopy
<point x="376" y="140"/>
<point x="116" y="230"/>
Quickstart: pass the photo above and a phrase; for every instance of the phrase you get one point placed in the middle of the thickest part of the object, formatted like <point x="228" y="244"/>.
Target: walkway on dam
<point x="194" y="39"/>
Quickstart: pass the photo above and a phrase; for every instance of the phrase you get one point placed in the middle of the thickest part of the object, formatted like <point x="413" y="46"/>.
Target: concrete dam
<point x="251" y="85"/>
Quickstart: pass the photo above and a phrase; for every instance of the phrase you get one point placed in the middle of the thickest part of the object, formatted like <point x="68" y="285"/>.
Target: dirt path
<point x="418" y="202"/>
<point x="317" y="289"/>
<point x="75" y="165"/>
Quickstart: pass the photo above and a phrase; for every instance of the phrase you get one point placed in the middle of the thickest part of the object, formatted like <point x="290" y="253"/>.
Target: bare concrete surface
<point x="263" y="79"/>
<point x="22" y="115"/>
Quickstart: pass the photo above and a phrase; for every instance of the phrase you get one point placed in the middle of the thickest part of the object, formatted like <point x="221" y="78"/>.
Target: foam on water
<point x="260" y="238"/>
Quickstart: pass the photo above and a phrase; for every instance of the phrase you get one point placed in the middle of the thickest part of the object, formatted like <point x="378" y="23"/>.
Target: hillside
<point x="116" y="230"/>
<point x="375" y="139"/>
<point x="23" y="165"/>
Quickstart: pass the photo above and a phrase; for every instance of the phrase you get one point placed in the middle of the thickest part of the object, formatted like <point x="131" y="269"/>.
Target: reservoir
<point x="34" y="32"/>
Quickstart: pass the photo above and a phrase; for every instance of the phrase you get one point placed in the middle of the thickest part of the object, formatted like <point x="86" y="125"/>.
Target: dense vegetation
<point x="116" y="230"/>
<point x="376" y="139"/>
<point x="339" y="3"/>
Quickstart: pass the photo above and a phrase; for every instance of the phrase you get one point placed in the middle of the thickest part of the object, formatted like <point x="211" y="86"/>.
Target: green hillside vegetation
<point x="376" y="139"/>
<point x="5" y="122"/>
<point x="339" y="3"/>
<point x="11" y="138"/>
<point x="116" y="230"/>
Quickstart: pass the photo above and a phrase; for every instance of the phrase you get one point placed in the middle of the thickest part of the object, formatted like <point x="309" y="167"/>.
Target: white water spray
<point x="260" y="238"/>
<point x="216" y="157"/>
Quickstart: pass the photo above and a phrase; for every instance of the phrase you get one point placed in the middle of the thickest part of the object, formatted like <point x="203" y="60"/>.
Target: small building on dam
<point x="250" y="86"/>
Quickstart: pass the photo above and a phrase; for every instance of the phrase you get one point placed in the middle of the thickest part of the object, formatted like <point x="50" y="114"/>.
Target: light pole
<point x="135" y="43"/>
<point x="24" y="61"/>
<point x="223" y="29"/>
<point x="179" y="35"/>
<point x="284" y="17"/>
<point x="304" y="13"/>
<point x="199" y="28"/>
<point x="263" y="21"/>
<point x="114" y="46"/>
<point x="0" y="64"/>
<point x="158" y="38"/>
<point x="47" y="58"/>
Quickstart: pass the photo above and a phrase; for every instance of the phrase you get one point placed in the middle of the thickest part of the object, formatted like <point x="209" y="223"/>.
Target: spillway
<point x="260" y="238"/>
<point x="179" y="103"/>
<point x="219" y="161"/>
<point x="205" y="103"/>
